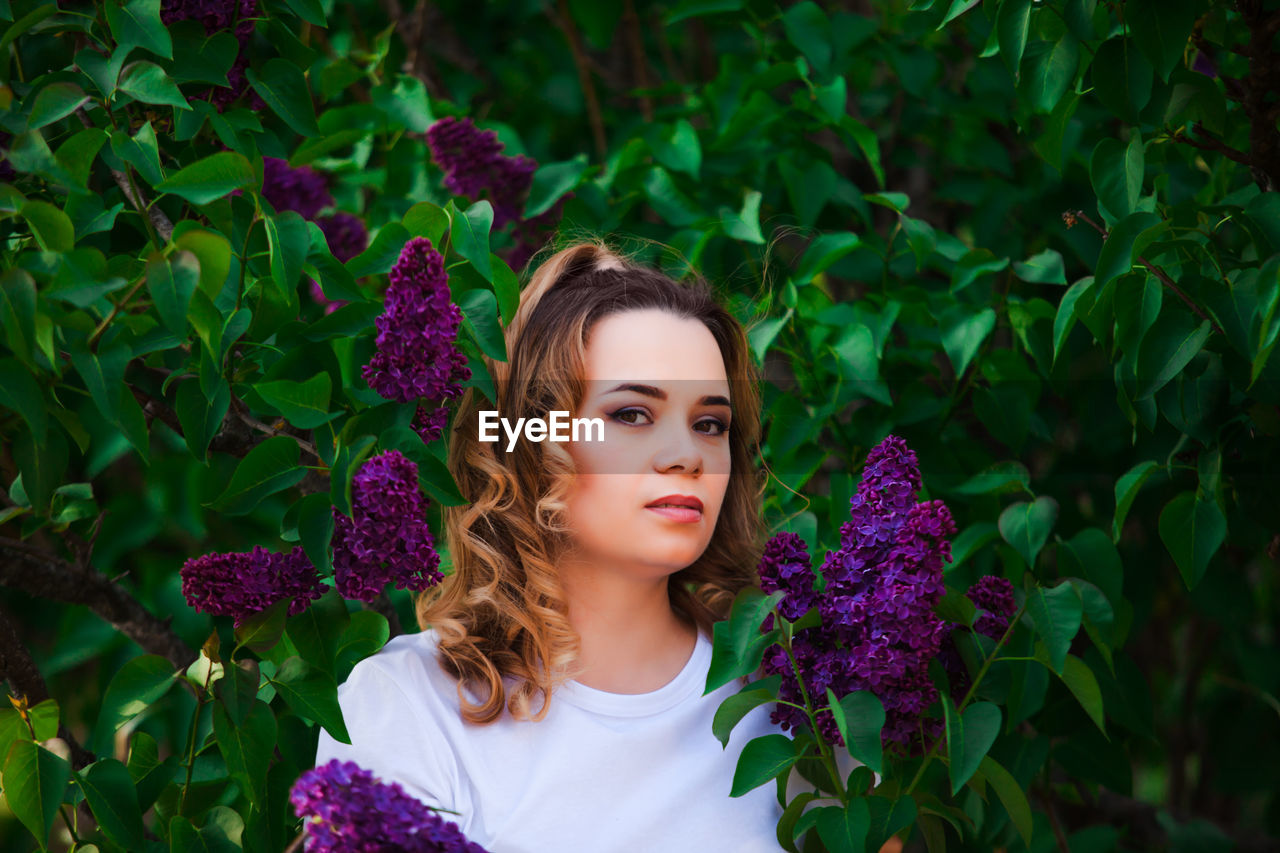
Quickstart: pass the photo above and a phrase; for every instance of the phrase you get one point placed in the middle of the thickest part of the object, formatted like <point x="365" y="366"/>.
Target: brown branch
<point x="46" y="575"/>
<point x="1211" y="144"/>
<point x="564" y="20"/>
<point x="635" y="43"/>
<point x="1070" y="218"/>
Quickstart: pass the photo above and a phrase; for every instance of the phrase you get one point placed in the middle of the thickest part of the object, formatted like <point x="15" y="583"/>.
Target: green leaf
<point x="262" y="630"/>
<point x="213" y="251"/>
<point x="171" y="281"/>
<point x="247" y="748"/>
<point x="860" y="717"/>
<point x="506" y="287"/>
<point x="34" y="782"/>
<point x="1082" y="683"/>
<point x="1049" y="73"/>
<point x="480" y="318"/>
<point x="289" y="241"/>
<point x="428" y="220"/>
<point x="1193" y="528"/>
<point x="1162" y="31"/>
<point x="304" y="404"/>
<point x="888" y="817"/>
<point x="110" y="792"/>
<point x="366" y="634"/>
<point x="311" y="11"/>
<point x="761" y="760"/>
<point x="969" y="737"/>
<point x="1056" y="614"/>
<point x="470" y="237"/>
<point x="137" y="685"/>
<point x="1010" y="794"/>
<point x="843" y="829"/>
<point x="214" y="837"/>
<point x="1042" y="268"/>
<point x="975" y="264"/>
<point x="315" y="529"/>
<point x="962" y="332"/>
<point x="697" y="8"/>
<point x="149" y="83"/>
<point x="822" y="253"/>
<point x="137" y="24"/>
<point x="676" y="146"/>
<point x="77" y="156"/>
<point x="761" y="335"/>
<point x="668" y="201"/>
<point x="745" y="224"/>
<point x="270" y="467"/>
<point x="552" y="181"/>
<point x="1117" y="171"/>
<point x="140" y="151"/>
<point x="808" y="28"/>
<point x="282" y="85"/>
<point x="1027" y="525"/>
<point x="737" y="706"/>
<point x="1126" y="490"/>
<point x="1013" y="22"/>
<point x="49" y="225"/>
<point x="1170" y="344"/>
<point x="210" y="178"/>
<point x="1121" y="78"/>
<point x="859" y="364"/>
<point x="42" y="465"/>
<point x="55" y="101"/>
<point x="999" y="477"/>
<point x="1126" y="239"/>
<point x="347" y="460"/>
<point x="958" y="8"/>
<point x="199" y="418"/>
<point x="406" y="103"/>
<point x="956" y="607"/>
<point x="383" y="251"/>
<point x="20" y="392"/>
<point x="312" y="694"/>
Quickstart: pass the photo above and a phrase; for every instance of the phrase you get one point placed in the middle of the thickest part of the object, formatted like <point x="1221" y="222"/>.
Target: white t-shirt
<point x="601" y="772"/>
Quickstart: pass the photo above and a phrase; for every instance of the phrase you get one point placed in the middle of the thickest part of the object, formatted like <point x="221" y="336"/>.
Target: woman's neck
<point x="632" y="640"/>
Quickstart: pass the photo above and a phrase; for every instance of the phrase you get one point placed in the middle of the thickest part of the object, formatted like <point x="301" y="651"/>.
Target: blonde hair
<point x="502" y="612"/>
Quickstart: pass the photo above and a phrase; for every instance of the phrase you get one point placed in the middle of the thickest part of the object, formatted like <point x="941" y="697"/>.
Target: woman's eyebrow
<point x="659" y="394"/>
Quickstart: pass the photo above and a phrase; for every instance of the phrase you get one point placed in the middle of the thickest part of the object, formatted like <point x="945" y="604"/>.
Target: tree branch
<point x="564" y="20"/>
<point x="46" y="575"/>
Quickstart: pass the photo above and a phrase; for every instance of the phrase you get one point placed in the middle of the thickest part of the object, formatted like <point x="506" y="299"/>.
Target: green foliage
<point x="1038" y="240"/>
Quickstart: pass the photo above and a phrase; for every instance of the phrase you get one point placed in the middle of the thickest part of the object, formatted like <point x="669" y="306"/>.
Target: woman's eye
<point x="718" y="426"/>
<point x="627" y="416"/>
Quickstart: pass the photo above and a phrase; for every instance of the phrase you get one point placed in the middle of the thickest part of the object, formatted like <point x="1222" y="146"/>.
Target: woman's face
<point x="658" y="382"/>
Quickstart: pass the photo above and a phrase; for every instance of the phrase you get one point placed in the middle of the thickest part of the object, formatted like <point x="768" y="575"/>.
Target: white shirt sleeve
<point x="393" y="737"/>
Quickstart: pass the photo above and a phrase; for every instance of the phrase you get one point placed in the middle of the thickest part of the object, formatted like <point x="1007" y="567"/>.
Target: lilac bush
<point x="475" y="167"/>
<point x="218" y="15"/>
<point x="416" y="357"/>
<point x="346" y="809"/>
<point x="878" y="630"/>
<point x="242" y="584"/>
<point x="386" y="538"/>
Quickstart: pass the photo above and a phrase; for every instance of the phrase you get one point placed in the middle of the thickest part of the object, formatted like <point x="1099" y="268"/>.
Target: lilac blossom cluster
<point x="306" y="191"/>
<point x="474" y="166"/>
<point x="346" y="809"/>
<point x="243" y="584"/>
<point x="878" y="630"/>
<point x="386" y="538"/>
<point x="416" y="357"/>
<point x="218" y="15"/>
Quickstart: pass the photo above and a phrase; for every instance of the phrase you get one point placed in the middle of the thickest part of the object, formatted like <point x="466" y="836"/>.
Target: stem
<point x="828" y="757"/>
<point x="62" y="808"/>
<point x="115" y="309"/>
<point x="191" y="742"/>
<point x="986" y="665"/>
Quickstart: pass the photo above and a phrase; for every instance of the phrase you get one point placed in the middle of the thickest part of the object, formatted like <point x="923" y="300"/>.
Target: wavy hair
<point x="501" y="615"/>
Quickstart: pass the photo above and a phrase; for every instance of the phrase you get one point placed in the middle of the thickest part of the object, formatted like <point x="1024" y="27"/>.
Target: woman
<point x="556" y="700"/>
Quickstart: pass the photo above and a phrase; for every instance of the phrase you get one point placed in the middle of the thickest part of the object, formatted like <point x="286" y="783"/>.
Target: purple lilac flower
<point x="1204" y="65"/>
<point x="878" y="630"/>
<point x="474" y="166"/>
<point x="7" y="172"/>
<point x="386" y="538"/>
<point x="785" y="565"/>
<point x="346" y="809"/>
<point x="218" y="15"/>
<point x="416" y="358"/>
<point x="242" y="584"/>
<point x="993" y="596"/>
<point x="302" y="189"/>
<point x="430" y="424"/>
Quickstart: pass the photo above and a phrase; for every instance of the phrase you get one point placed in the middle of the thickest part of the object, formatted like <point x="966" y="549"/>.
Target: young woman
<point x="555" y="698"/>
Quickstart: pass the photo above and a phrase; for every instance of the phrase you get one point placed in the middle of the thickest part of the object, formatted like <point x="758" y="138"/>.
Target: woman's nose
<point x="679" y="450"/>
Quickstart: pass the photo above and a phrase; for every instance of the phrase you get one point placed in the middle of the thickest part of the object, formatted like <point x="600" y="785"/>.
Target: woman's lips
<point x="683" y="514"/>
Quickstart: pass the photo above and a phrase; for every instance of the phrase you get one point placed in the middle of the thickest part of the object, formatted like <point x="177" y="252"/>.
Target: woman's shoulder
<point x="408" y="663"/>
